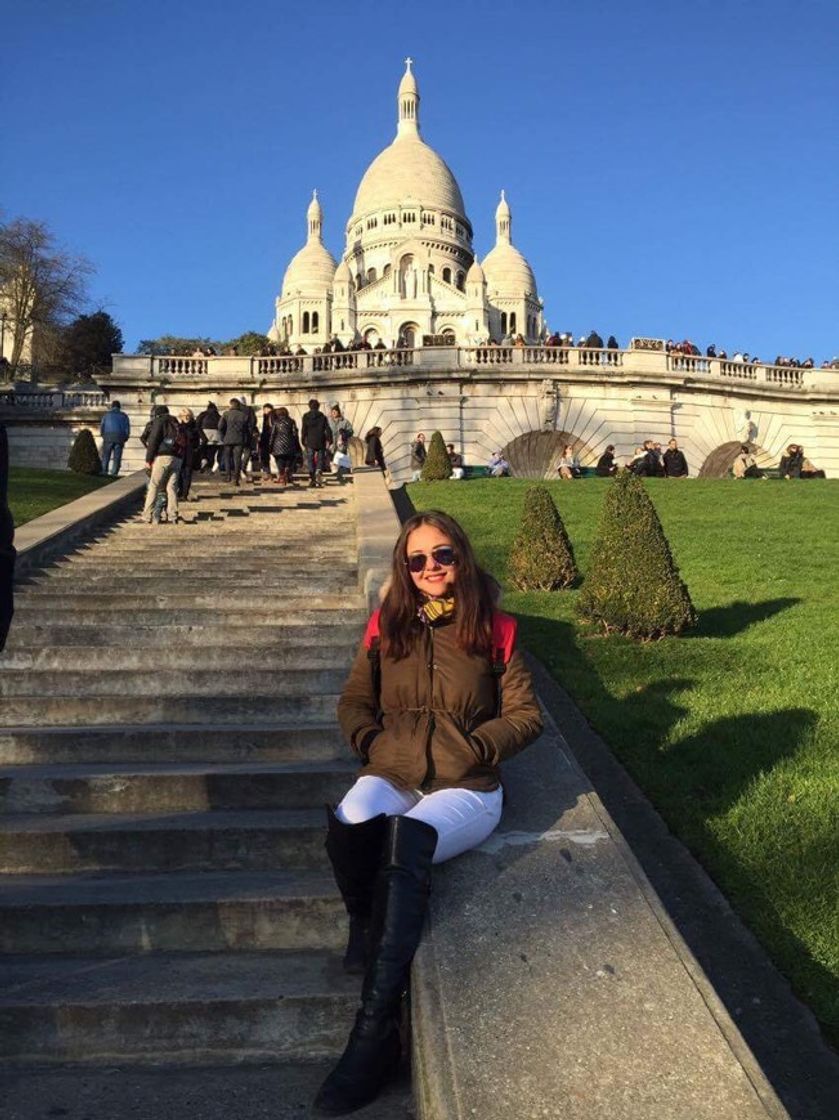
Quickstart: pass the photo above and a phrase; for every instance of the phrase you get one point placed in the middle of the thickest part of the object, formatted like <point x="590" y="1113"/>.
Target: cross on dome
<point x="407" y="100"/>
<point x="409" y="62"/>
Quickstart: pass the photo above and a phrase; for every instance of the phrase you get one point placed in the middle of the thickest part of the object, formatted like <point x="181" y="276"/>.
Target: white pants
<point x="463" y="818"/>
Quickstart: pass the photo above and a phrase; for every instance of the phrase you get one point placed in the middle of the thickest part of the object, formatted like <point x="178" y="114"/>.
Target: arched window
<point x="371" y="275"/>
<point x="447" y="275"/>
<point x="315" y="322"/>
<point x="512" y="321"/>
<point x="359" y="280"/>
<point x="460" y="281"/>
<point x="503" y="322"/>
<point x="305" y="322"/>
<point x="431" y="270"/>
<point x="448" y="336"/>
<point x="386" y="270"/>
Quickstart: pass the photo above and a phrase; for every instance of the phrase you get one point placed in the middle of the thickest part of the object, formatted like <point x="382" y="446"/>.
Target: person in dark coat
<point x="316" y="436"/>
<point x="792" y="462"/>
<point x="265" y="439"/>
<point x="193" y="443"/>
<point x="285" y="446"/>
<point x="234" y="429"/>
<point x="208" y="422"/>
<point x="374" y="455"/>
<point x="606" y="465"/>
<point x="114" y="429"/>
<point x="675" y="463"/>
<point x="7" y="548"/>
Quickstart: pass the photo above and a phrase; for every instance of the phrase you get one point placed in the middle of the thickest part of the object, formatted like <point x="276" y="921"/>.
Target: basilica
<point x="408" y="274"/>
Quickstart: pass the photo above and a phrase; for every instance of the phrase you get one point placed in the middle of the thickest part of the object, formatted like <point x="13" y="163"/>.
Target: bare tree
<point x="42" y="286"/>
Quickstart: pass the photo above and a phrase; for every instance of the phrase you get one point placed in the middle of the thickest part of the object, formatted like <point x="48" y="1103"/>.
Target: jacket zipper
<point x="429" y="758"/>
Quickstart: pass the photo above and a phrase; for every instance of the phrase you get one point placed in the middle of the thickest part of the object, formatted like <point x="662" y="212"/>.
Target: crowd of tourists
<point x="238" y="442"/>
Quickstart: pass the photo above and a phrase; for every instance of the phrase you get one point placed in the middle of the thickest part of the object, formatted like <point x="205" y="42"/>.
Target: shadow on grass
<point x="691" y="783"/>
<point x="725" y="622"/>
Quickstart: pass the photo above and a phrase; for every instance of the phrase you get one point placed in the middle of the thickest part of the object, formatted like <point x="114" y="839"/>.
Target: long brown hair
<point x="475" y="591"/>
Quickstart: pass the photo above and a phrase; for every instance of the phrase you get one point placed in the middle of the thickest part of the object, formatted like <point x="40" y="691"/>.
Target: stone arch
<point x="536" y="454"/>
<point x="718" y="463"/>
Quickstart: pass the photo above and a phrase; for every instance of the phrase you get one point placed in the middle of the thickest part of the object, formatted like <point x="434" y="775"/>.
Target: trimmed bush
<point x="437" y="465"/>
<point x="541" y="558"/>
<point x="84" y="458"/>
<point x="633" y="584"/>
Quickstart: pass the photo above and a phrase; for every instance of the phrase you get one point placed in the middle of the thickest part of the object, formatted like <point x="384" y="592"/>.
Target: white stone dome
<point x="475" y="275"/>
<point x="312" y="267"/>
<point x="409" y="170"/>
<point x="507" y="272"/>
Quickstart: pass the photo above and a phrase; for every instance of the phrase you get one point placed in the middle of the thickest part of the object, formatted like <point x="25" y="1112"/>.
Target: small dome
<point x="475" y="275"/>
<point x="343" y="273"/>
<point x="315" y="211"/>
<point x="502" y="210"/>
<point x="409" y="82"/>
<point x="507" y="272"/>
<point x="312" y="268"/>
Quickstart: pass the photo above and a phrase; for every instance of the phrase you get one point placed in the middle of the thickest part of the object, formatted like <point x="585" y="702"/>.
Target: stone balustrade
<point x="582" y="362"/>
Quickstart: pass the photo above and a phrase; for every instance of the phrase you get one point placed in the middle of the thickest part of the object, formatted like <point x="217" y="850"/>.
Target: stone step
<point x="205" y="562"/>
<point x="170" y="593"/>
<point x="171" y="787"/>
<point x="293" y="653"/>
<point x="233" y="911"/>
<point x="265" y="840"/>
<point x="205" y="576"/>
<point x="175" y="1008"/>
<point x="319" y="610"/>
<point x="346" y="627"/>
<point x="162" y="743"/>
<point x="52" y="711"/>
<point x="237" y="683"/>
<point x="281" y="1091"/>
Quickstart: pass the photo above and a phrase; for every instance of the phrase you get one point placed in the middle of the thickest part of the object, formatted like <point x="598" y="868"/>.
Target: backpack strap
<point x="373" y="643"/>
<point x="504" y="628"/>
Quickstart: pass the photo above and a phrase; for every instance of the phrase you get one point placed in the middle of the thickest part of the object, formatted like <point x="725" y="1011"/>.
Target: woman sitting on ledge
<point x="437" y="697"/>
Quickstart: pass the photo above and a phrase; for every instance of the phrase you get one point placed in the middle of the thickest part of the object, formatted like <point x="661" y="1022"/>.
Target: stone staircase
<point x="168" y="921"/>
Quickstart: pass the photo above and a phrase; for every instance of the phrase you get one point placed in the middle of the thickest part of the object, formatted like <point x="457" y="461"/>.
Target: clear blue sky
<point x="673" y="167"/>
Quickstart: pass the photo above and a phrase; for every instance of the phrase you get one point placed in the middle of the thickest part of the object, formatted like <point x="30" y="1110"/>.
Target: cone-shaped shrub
<point x="633" y="584"/>
<point x="437" y="465"/>
<point x="84" y="458"/>
<point x="541" y="558"/>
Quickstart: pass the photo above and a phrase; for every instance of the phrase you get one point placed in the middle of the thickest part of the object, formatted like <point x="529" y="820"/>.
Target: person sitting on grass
<point x="745" y="465"/>
<point x="606" y="465"/>
<point x="498" y="466"/>
<point x="456" y="462"/>
<point x="792" y="462"/>
<point x="568" y="466"/>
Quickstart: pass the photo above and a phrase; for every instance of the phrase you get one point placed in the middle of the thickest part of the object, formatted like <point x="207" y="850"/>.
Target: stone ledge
<point x="377" y="529"/>
<point x="39" y="540"/>
<point x="552" y="982"/>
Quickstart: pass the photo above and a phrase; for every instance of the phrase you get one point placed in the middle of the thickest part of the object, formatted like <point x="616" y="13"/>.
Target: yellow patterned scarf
<point x="435" y="611"/>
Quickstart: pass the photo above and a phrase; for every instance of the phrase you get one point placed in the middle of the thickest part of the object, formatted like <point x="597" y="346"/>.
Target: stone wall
<point x="45" y="439"/>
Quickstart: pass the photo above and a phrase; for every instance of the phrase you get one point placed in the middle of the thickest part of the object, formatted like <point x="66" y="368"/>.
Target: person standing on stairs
<point x="165" y="449"/>
<point x="436" y="699"/>
<point x="316" y="438"/>
<point x="341" y="430"/>
<point x="235" y="433"/>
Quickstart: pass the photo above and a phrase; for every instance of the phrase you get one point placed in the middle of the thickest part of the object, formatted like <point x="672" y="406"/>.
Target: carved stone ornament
<point x="549" y="400"/>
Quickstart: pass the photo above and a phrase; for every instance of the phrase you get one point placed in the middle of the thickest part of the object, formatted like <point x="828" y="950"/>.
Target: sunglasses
<point x="443" y="554"/>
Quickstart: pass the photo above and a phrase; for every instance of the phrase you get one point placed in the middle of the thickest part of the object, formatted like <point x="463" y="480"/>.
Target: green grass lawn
<point x="33" y="492"/>
<point x="733" y="731"/>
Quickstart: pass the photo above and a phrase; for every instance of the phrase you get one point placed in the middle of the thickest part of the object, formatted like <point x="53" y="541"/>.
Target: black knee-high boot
<point x="355" y="852"/>
<point x="399" y="907"/>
